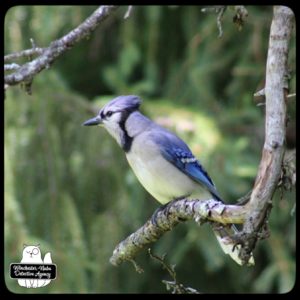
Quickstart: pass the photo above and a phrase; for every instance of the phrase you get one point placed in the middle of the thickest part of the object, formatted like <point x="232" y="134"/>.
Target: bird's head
<point x="114" y="114"/>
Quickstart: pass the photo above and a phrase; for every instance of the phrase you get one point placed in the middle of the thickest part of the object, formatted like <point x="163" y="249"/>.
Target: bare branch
<point x="270" y="166"/>
<point x="239" y="18"/>
<point x="128" y="12"/>
<point x="220" y="10"/>
<point x="33" y="44"/>
<point x="56" y="48"/>
<point x="24" y="53"/>
<point x="260" y="93"/>
<point x="219" y="20"/>
<point x="291" y="95"/>
<point x="181" y="210"/>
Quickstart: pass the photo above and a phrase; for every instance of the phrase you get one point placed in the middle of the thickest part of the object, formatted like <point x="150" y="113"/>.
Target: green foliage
<point x="69" y="187"/>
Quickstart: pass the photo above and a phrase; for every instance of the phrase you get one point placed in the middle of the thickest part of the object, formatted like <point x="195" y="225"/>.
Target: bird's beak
<point x="94" y="121"/>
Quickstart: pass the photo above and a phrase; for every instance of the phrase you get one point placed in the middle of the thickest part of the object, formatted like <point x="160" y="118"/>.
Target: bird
<point x="162" y="162"/>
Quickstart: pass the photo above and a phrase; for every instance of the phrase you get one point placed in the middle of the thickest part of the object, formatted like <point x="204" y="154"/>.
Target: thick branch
<point x="178" y="211"/>
<point x="26" y="72"/>
<point x="271" y="162"/>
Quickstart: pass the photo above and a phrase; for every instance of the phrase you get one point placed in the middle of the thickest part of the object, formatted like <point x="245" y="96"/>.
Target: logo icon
<point x="33" y="271"/>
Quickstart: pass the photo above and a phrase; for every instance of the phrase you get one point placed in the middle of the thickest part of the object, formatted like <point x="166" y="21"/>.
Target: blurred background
<point x="69" y="187"/>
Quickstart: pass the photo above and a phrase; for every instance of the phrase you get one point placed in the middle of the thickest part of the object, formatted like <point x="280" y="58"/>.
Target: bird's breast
<point x="158" y="176"/>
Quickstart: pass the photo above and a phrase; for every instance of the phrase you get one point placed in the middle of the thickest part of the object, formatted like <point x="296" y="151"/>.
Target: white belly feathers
<point x="159" y="177"/>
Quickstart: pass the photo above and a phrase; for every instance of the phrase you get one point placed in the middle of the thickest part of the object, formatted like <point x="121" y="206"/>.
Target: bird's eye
<point x="109" y="113"/>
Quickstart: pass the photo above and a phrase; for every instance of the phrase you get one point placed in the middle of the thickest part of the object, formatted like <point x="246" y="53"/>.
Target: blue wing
<point x="178" y="153"/>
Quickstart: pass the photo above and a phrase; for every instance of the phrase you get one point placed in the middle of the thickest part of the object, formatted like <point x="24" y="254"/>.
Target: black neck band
<point x="126" y="140"/>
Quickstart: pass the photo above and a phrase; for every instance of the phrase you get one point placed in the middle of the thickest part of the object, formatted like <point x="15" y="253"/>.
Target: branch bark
<point x="48" y="55"/>
<point x="166" y="219"/>
<point x="270" y="166"/>
<point x="255" y="213"/>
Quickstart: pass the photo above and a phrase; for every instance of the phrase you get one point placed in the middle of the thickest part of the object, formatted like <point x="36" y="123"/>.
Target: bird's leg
<point x="154" y="216"/>
<point x="166" y="208"/>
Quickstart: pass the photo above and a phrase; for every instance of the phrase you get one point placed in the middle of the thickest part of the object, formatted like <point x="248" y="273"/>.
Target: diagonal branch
<point x="166" y="219"/>
<point x="270" y="166"/>
<point x="48" y="55"/>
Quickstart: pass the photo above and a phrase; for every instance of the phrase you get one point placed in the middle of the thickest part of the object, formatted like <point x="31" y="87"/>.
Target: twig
<point x="220" y="10"/>
<point x="24" y="53"/>
<point x="291" y="95"/>
<point x="219" y="20"/>
<point x="11" y="67"/>
<point x="33" y="44"/>
<point x="137" y="267"/>
<point x="128" y="12"/>
<point x="260" y="93"/>
<point x="56" y="48"/>
<point x="239" y="18"/>
<point x="177" y="287"/>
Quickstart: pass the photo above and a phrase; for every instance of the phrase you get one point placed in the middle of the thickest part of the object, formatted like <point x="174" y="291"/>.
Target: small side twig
<point x="175" y="286"/>
<point x="291" y="95"/>
<point x="24" y="53"/>
<point x="239" y="17"/>
<point x="128" y="12"/>
<point x="11" y="67"/>
<point x="260" y="93"/>
<point x="33" y="44"/>
<point x="219" y="20"/>
<point x="137" y="267"/>
<point x="219" y="10"/>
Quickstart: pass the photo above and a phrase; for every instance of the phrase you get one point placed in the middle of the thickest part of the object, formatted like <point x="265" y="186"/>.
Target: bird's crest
<point x="122" y="103"/>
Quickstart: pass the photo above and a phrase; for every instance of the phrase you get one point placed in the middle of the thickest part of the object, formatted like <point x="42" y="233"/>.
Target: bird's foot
<point x="154" y="216"/>
<point x="166" y="208"/>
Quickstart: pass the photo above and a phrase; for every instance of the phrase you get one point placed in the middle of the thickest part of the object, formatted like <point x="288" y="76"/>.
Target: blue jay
<point x="161" y="161"/>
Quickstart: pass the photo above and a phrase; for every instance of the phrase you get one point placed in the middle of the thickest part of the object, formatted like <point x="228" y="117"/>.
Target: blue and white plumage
<point x="162" y="162"/>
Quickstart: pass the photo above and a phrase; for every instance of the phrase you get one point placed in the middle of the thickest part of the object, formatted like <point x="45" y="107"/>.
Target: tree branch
<point x="270" y="166"/>
<point x="24" y="53"/>
<point x="48" y="55"/>
<point x="166" y="219"/>
<point x="128" y="12"/>
<point x="255" y="212"/>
